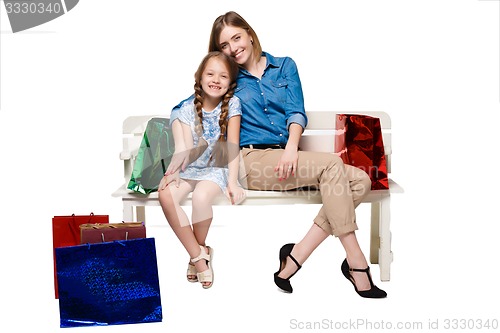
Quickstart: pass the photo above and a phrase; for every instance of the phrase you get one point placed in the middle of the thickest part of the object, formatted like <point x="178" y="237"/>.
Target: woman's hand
<point x="235" y="194"/>
<point x="168" y="179"/>
<point x="287" y="165"/>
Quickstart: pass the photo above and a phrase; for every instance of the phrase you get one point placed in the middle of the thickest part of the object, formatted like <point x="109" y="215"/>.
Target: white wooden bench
<point x="318" y="136"/>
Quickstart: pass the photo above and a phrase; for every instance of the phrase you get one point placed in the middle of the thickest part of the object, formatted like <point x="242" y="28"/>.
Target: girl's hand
<point x="287" y="165"/>
<point x="180" y="160"/>
<point x="235" y="194"/>
<point x="168" y="179"/>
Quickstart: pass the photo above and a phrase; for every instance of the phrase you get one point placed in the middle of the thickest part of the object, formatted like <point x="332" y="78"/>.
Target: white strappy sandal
<point x="207" y="275"/>
<point x="191" y="273"/>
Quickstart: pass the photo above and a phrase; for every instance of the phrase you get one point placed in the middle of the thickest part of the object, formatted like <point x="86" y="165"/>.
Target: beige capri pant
<point x="342" y="186"/>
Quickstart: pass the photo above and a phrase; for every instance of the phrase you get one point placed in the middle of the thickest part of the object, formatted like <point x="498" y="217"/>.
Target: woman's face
<point x="237" y="43"/>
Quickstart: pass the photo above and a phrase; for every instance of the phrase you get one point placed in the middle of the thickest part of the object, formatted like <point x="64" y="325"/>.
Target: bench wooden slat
<point x="300" y="196"/>
<point x="318" y="120"/>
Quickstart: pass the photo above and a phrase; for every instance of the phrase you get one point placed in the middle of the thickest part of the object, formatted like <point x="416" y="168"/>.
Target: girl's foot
<point x="191" y="273"/>
<point x="203" y="266"/>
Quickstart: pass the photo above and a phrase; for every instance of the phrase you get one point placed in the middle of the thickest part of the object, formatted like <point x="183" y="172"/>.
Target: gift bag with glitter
<point x="108" y="283"/>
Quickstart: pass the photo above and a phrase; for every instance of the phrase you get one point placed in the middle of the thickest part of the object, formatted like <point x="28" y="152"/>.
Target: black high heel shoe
<point x="284" y="284"/>
<point x="373" y="292"/>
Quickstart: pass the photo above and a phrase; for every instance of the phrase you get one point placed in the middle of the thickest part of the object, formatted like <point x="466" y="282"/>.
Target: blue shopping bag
<point x="108" y="283"/>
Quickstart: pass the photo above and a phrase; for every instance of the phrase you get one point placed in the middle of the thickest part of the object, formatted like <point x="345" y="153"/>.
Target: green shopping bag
<point x="153" y="157"/>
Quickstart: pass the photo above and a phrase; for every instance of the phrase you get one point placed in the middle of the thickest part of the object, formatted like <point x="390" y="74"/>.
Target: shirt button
<point x="265" y="109"/>
<point x="262" y="93"/>
<point x="272" y="123"/>
<point x="281" y="134"/>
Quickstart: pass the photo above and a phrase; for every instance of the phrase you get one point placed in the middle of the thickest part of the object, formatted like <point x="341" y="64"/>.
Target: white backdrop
<point x="67" y="85"/>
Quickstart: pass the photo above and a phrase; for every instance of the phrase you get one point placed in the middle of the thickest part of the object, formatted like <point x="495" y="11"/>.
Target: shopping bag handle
<point x="72" y="226"/>
<point x="102" y="236"/>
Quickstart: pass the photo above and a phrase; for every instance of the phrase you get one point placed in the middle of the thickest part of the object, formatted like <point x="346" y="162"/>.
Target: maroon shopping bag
<point x="364" y="147"/>
<point x="66" y="232"/>
<point x="93" y="233"/>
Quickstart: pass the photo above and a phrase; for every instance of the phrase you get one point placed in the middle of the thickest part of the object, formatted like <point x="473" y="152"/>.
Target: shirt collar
<point x="270" y="62"/>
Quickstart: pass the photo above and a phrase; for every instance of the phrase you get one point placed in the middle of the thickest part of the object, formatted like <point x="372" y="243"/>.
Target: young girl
<point x="210" y="119"/>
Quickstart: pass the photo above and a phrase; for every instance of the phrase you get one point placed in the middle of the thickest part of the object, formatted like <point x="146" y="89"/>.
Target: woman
<point x="273" y="119"/>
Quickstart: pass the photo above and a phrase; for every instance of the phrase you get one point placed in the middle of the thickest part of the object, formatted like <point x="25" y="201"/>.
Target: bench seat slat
<point x="301" y="196"/>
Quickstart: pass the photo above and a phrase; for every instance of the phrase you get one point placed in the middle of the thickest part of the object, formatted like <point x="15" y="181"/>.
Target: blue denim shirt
<point x="270" y="104"/>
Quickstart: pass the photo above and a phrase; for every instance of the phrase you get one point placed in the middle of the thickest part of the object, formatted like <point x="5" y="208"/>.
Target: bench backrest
<point x="318" y="136"/>
<point x="320" y="132"/>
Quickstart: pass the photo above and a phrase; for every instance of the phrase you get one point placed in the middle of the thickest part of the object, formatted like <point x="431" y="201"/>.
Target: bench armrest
<point x="125" y="155"/>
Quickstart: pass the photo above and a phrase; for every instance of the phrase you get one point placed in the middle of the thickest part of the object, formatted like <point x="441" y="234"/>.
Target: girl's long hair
<point x="220" y="149"/>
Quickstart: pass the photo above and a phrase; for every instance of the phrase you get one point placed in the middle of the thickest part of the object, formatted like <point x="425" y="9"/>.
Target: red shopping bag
<point x="340" y="129"/>
<point x="66" y="232"/>
<point x="364" y="147"/>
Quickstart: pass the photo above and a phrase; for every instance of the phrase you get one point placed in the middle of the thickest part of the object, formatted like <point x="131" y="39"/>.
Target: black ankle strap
<point x="295" y="261"/>
<point x="366" y="270"/>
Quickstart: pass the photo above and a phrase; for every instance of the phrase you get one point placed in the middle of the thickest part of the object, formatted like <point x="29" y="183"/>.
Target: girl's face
<point x="237" y="43"/>
<point x="215" y="79"/>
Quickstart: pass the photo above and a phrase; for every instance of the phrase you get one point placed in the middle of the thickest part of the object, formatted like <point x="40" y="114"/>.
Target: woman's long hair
<point x="234" y="20"/>
<point x="220" y="149"/>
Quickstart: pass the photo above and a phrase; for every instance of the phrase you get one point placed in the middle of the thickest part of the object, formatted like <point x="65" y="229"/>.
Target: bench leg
<point x="128" y="212"/>
<point x="375" y="232"/>
<point x="140" y="212"/>
<point x="380" y="248"/>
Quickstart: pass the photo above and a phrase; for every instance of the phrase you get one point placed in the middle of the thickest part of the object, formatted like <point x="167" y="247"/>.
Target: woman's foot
<point x="362" y="281"/>
<point x="288" y="267"/>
